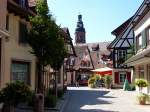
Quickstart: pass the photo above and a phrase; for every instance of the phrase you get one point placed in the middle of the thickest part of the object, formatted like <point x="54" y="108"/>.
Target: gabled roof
<point x="141" y="12"/>
<point x="121" y="28"/>
<point x="96" y="55"/>
<point x="82" y="52"/>
<point x="68" y="38"/>
<point x="102" y="47"/>
<point x="130" y="23"/>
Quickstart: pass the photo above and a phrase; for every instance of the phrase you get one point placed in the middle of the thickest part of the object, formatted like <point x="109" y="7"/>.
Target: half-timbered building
<point x="121" y="48"/>
<point x="141" y="59"/>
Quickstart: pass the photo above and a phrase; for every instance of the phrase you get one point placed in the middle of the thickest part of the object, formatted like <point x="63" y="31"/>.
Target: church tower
<point x="80" y="32"/>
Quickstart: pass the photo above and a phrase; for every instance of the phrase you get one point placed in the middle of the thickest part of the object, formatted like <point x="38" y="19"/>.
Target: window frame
<point x="125" y="75"/>
<point x="148" y="35"/>
<point x="141" y="71"/>
<point x="28" y="81"/>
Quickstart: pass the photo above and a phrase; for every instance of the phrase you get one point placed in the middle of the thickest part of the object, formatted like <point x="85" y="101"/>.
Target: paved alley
<point x="84" y="99"/>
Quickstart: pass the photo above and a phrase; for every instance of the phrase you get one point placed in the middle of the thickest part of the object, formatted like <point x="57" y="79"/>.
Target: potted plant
<point x="91" y="82"/>
<point x="141" y="83"/>
<point x="13" y="94"/>
<point x="142" y="98"/>
<point x="108" y="81"/>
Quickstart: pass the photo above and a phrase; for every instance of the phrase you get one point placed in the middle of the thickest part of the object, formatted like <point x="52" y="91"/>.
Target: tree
<point x="46" y="41"/>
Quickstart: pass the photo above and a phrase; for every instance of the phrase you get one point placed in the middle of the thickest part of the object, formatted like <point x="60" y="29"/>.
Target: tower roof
<point x="80" y="25"/>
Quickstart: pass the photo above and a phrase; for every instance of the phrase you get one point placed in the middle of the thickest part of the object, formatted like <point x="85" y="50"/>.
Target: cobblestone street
<point x="84" y="99"/>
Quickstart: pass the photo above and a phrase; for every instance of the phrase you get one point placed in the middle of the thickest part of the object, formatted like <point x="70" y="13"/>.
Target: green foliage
<point x="50" y="100"/>
<point x="45" y="38"/>
<point x="141" y="83"/>
<point x="42" y="7"/>
<point x="97" y="77"/>
<point x="131" y="52"/>
<point x="107" y="81"/>
<point x="60" y="93"/>
<point x="15" y="93"/>
<point x="31" y="99"/>
<point x="132" y="86"/>
<point x="92" y="82"/>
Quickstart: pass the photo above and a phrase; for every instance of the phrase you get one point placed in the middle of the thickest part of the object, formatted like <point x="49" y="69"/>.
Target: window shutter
<point x="117" y="77"/>
<point x="129" y="76"/>
<point x="135" y="45"/>
<point x="23" y="33"/>
<point x="144" y="43"/>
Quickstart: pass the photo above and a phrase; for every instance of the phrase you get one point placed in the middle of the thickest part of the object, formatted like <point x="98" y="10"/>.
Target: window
<point x="23" y="33"/>
<point x="20" y="71"/>
<point x="141" y="71"/>
<point x="148" y="73"/>
<point x="122" y="54"/>
<point x="121" y="58"/>
<point x="122" y="77"/>
<point x="7" y="22"/>
<point x="139" y="41"/>
<point x="22" y="3"/>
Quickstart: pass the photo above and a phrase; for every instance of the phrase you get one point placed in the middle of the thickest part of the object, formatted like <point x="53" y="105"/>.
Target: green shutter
<point x="144" y="40"/>
<point x="135" y="44"/>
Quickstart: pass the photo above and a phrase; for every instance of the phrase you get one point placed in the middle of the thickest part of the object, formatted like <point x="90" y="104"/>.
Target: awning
<point x="103" y="71"/>
<point x="143" y="54"/>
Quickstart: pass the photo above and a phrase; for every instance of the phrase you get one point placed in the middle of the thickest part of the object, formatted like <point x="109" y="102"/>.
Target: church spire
<point x="80" y="31"/>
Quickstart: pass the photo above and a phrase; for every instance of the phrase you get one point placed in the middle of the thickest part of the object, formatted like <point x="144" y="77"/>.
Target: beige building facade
<point x="17" y="63"/>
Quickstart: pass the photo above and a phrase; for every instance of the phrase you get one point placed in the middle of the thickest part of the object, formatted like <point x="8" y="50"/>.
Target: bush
<point x="50" y="100"/>
<point x="15" y="93"/>
<point x="51" y="91"/>
<point x="97" y="77"/>
<point x="60" y="93"/>
<point x="141" y="83"/>
<point x="132" y="86"/>
<point x="92" y="82"/>
<point x="31" y="99"/>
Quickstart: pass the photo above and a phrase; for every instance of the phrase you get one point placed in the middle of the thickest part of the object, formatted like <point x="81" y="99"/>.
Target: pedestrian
<point x="77" y="80"/>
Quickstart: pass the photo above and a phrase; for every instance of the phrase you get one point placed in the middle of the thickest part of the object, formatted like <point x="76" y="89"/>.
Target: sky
<point x="100" y="17"/>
